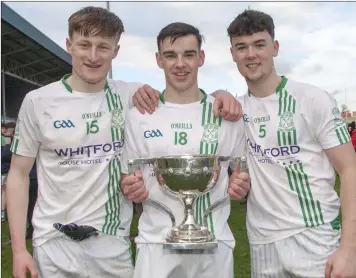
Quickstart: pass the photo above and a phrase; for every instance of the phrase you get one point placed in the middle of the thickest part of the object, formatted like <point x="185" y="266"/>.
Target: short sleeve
<point x="127" y="91"/>
<point x="26" y="142"/>
<point x="130" y="150"/>
<point x="330" y="129"/>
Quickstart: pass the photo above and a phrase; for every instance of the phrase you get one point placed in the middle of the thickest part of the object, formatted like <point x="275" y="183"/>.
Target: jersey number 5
<point x="92" y="127"/>
<point x="180" y="138"/>
<point x="262" y="131"/>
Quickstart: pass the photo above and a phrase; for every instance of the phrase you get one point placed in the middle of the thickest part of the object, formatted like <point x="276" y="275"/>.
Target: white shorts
<point x="302" y="255"/>
<point x="103" y="256"/>
<point x="153" y="260"/>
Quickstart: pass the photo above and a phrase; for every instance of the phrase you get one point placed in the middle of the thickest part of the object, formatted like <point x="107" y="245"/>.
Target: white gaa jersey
<point x="176" y="129"/>
<point x="77" y="139"/>
<point x="292" y="179"/>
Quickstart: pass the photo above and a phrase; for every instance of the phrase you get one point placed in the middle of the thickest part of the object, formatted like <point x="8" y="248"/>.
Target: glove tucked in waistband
<point x="75" y="232"/>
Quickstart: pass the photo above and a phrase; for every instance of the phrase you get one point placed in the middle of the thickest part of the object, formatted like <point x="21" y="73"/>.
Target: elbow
<point x="16" y="178"/>
<point x="348" y="172"/>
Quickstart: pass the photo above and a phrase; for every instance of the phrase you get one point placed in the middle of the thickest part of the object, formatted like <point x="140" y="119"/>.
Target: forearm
<point x="216" y="93"/>
<point x="348" y="206"/>
<point x="131" y="95"/>
<point x="220" y="92"/>
<point x="17" y="202"/>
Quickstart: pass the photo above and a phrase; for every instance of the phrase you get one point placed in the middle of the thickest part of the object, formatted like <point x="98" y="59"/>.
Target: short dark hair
<point x="179" y="29"/>
<point x="3" y="125"/>
<point x="353" y="125"/>
<point x="250" y="22"/>
<point x="92" y="21"/>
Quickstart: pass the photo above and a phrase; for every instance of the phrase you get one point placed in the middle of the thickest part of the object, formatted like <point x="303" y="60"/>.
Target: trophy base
<point x="190" y="236"/>
<point x="190" y="245"/>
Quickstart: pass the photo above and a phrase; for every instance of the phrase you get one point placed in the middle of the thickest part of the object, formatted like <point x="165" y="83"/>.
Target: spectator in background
<point x="5" y="165"/>
<point x="3" y="134"/>
<point x="352" y="130"/>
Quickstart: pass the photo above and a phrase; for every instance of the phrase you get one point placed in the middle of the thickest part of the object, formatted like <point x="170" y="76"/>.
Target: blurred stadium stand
<point x="29" y="60"/>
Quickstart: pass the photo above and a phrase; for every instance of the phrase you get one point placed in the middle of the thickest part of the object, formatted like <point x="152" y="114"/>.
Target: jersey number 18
<point x="180" y="138"/>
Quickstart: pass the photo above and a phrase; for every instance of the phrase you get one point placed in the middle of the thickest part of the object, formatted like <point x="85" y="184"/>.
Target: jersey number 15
<point x="92" y="127"/>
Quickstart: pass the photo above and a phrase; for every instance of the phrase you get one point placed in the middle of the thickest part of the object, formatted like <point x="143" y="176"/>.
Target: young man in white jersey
<point x="179" y="126"/>
<point x="296" y="139"/>
<point x="74" y="128"/>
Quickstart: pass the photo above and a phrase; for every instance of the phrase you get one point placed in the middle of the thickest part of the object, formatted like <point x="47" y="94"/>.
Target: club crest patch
<point x="117" y="120"/>
<point x="286" y="122"/>
<point x="338" y="121"/>
<point x="211" y="133"/>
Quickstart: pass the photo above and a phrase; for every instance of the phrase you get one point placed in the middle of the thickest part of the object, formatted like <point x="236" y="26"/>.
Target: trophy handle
<point x="243" y="168"/>
<point x="133" y="165"/>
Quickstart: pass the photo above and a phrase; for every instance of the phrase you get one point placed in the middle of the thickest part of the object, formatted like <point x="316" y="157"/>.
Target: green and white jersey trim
<point x="298" y="181"/>
<point x="208" y="145"/>
<point x="112" y="207"/>
<point x="77" y="139"/>
<point x="289" y="162"/>
<point x="162" y="134"/>
<point x="112" y="219"/>
<point x="297" y="178"/>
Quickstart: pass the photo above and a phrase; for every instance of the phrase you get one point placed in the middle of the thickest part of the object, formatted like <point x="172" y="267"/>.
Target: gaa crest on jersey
<point x="337" y="118"/>
<point x="117" y="120"/>
<point x="286" y="121"/>
<point x="211" y="133"/>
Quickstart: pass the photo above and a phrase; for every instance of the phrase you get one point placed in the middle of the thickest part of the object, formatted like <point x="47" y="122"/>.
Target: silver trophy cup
<point x="188" y="177"/>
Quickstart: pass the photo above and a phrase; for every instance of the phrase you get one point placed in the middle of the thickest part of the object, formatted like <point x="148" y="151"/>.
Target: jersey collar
<point x="279" y="87"/>
<point x="69" y="88"/>
<point x="161" y="96"/>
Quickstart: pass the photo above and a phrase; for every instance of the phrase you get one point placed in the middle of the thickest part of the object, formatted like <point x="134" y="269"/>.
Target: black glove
<point x="76" y="232"/>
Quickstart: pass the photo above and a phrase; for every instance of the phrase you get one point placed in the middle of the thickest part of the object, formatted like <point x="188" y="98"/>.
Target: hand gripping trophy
<point x="188" y="177"/>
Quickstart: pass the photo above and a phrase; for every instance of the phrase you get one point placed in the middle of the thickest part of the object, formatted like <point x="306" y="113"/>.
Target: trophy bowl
<point x="187" y="177"/>
<point x="187" y="173"/>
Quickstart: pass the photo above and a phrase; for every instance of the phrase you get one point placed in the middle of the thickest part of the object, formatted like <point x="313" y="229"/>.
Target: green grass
<point x="236" y="221"/>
